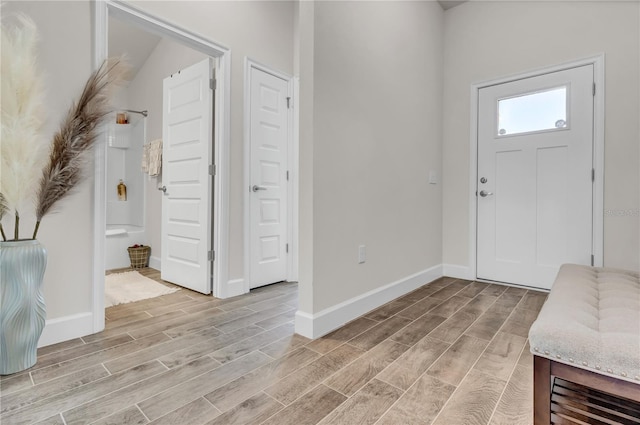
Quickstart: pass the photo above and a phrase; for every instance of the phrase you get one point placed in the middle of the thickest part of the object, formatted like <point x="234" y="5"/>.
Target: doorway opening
<point x="109" y="13"/>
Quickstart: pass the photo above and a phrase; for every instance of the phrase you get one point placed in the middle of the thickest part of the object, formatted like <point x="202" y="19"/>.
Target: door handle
<point x="256" y="188"/>
<point x="163" y="189"/>
<point x="485" y="194"/>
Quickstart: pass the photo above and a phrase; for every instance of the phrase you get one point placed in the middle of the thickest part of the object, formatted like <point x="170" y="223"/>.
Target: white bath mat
<point x="127" y="287"/>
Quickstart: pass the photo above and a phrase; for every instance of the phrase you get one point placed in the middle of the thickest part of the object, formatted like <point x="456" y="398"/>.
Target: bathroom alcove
<point x="125" y="219"/>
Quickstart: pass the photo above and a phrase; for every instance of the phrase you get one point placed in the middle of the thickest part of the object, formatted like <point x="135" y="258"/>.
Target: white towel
<point x="155" y="157"/>
<point x="145" y="158"/>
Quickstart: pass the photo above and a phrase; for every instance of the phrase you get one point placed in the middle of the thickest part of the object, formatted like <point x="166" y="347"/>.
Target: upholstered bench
<point x="588" y="333"/>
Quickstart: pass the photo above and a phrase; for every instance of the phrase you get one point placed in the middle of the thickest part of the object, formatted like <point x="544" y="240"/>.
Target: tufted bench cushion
<point x="591" y="320"/>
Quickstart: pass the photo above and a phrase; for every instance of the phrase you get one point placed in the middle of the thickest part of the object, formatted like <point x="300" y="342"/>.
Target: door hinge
<point x="211" y="255"/>
<point x="594" y="89"/>
<point x="286" y="248"/>
<point x="288" y="102"/>
<point x="212" y="169"/>
<point x="212" y="83"/>
<point x="593" y="174"/>
<point x="591" y="259"/>
<point x="287" y="175"/>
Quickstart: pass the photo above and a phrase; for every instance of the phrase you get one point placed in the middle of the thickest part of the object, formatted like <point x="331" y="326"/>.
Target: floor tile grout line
<point x="435" y="306"/>
<point x="442" y="354"/>
<point x="389" y="338"/>
<point x="513" y="370"/>
<point x="145" y="379"/>
<point x="472" y="323"/>
<point x="216" y="367"/>
<point x="389" y="383"/>
<point x="250" y="337"/>
<point x="242" y="317"/>
<point x="409" y="306"/>
<point x="111" y="392"/>
<point x="408" y="324"/>
<point x="140" y="410"/>
<point x="476" y="362"/>
<point x="327" y="378"/>
<point x="418" y="378"/>
<point x="103" y="395"/>
<point x="60" y="377"/>
<point x="275" y="413"/>
<point x="205" y="399"/>
<point x="190" y="334"/>
<point x="253" y="323"/>
<point x="82" y="355"/>
<point x="276" y="359"/>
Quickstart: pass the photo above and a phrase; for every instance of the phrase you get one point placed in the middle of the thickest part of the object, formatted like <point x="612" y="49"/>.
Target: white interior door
<point x="269" y="124"/>
<point x="534" y="182"/>
<point x="187" y="130"/>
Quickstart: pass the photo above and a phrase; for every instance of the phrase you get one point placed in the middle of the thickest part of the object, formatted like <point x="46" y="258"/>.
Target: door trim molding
<point x="292" y="160"/>
<point x="598" y="152"/>
<point x="126" y="12"/>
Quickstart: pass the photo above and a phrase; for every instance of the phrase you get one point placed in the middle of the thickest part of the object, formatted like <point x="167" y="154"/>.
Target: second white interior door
<point x="535" y="189"/>
<point x="269" y="133"/>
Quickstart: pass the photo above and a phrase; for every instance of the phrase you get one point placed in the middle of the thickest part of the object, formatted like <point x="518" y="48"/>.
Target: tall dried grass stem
<point x="76" y="137"/>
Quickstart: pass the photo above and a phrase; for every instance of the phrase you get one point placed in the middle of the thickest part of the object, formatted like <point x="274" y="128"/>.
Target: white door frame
<point x="126" y="12"/>
<point x="598" y="154"/>
<point x="292" y="159"/>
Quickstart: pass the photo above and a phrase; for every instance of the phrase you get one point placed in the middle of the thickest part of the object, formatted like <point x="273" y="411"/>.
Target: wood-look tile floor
<point x="452" y="352"/>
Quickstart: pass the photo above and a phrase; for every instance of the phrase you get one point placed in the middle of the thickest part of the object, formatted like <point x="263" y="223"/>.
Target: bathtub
<point x="118" y="239"/>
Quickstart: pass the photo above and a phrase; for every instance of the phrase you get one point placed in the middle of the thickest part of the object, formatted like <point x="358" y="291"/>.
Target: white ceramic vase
<point x="22" y="309"/>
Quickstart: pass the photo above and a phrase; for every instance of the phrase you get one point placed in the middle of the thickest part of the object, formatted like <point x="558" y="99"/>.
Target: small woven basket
<point x="139" y="256"/>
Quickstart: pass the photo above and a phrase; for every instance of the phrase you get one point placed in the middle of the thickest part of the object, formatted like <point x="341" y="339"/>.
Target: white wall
<point x="304" y="65"/>
<point x="484" y="40"/>
<point x="145" y="93"/>
<point x="262" y="30"/>
<point x="376" y="134"/>
<point x="64" y="56"/>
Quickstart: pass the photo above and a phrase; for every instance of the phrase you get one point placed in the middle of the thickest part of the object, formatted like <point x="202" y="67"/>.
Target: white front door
<point x="534" y="182"/>
<point x="187" y="129"/>
<point x="269" y="133"/>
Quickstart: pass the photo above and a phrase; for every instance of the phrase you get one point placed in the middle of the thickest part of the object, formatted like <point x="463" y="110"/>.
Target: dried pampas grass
<point x="21" y="149"/>
<point x="76" y="137"/>
<point x="23" y="161"/>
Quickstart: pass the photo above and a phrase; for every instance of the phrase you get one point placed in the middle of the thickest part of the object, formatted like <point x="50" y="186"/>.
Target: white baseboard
<point x="325" y="321"/>
<point x="235" y="287"/>
<point x="66" y="328"/>
<point x="155" y="263"/>
<point x="459" y="272"/>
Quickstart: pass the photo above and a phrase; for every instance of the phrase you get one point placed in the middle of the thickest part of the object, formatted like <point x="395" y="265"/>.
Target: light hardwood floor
<point x="453" y="352"/>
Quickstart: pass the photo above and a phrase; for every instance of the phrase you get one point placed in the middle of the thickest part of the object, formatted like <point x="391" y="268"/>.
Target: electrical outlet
<point x="433" y="177"/>
<point x="362" y="254"/>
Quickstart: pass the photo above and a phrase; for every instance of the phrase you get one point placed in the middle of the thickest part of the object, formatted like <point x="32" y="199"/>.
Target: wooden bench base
<point x="544" y="370"/>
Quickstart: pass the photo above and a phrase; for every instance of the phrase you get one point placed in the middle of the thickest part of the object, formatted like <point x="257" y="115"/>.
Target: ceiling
<point x="448" y="4"/>
<point x="137" y="44"/>
<point x="131" y="41"/>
